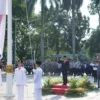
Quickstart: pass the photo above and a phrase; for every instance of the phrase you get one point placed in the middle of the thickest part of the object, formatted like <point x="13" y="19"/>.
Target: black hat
<point x="20" y="61"/>
<point x="65" y="56"/>
<point x="38" y="62"/>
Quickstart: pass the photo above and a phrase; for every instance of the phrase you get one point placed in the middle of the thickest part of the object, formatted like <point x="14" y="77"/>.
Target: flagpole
<point x="9" y="77"/>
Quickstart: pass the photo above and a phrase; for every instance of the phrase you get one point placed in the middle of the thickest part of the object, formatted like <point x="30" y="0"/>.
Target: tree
<point x="97" y="2"/>
<point x="93" y="44"/>
<point x="94" y="9"/>
<point x="72" y="5"/>
<point x="30" y="4"/>
<point x="57" y="31"/>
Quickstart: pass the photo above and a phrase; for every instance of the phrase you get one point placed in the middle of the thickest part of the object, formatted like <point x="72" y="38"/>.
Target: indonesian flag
<point x="2" y="25"/>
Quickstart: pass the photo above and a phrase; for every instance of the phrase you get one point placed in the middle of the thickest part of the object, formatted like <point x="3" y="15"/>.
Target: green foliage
<point x="94" y="8"/>
<point x="82" y="83"/>
<point x="18" y="9"/>
<point x="86" y="84"/>
<point x="49" y="82"/>
<point x="79" y="87"/>
<point x="75" y="92"/>
<point x="94" y="41"/>
<point x="97" y="2"/>
<point x="73" y="83"/>
<point x="67" y="4"/>
<point x="57" y="29"/>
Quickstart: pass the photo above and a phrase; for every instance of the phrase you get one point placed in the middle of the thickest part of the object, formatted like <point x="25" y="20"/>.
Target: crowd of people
<point x="82" y="68"/>
<point x="67" y="68"/>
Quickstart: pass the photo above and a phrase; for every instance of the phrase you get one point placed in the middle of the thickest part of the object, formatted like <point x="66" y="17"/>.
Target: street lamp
<point x="15" y="19"/>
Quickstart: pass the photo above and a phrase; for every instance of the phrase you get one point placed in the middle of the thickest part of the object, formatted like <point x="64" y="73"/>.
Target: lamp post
<point x="15" y="19"/>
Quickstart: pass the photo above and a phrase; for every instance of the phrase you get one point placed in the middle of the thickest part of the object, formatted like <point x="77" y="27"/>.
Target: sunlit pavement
<point x="29" y="92"/>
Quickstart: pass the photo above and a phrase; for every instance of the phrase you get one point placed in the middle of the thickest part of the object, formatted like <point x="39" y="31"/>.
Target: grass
<point x="75" y="95"/>
<point x="50" y="92"/>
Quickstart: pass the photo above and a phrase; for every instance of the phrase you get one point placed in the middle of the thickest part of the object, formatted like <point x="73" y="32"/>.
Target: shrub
<point x="73" y="83"/>
<point x="75" y="92"/>
<point x="85" y="83"/>
<point x="49" y="82"/>
<point x="79" y="87"/>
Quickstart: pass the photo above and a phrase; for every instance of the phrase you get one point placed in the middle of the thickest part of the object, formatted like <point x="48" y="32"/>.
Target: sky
<point x="93" y="18"/>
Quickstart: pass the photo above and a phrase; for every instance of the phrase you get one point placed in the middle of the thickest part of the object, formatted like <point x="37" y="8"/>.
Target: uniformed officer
<point x="95" y="71"/>
<point x="98" y="74"/>
<point x="65" y="69"/>
<point x="37" y="79"/>
<point x="0" y="78"/>
<point x="20" y="78"/>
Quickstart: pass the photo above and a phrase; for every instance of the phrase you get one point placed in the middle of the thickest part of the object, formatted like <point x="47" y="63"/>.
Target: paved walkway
<point x="29" y="93"/>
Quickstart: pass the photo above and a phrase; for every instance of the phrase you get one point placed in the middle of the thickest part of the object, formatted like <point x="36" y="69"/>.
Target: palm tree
<point x="30" y="6"/>
<point x="73" y="5"/>
<point x="43" y="6"/>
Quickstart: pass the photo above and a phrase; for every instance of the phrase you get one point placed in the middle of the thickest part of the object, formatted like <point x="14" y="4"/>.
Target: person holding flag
<point x="20" y="79"/>
<point x="37" y="79"/>
<point x="0" y="77"/>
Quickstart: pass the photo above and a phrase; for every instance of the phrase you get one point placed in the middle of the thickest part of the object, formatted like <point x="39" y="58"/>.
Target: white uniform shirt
<point x="37" y="78"/>
<point x="95" y="67"/>
<point x="20" y="76"/>
<point x="0" y="77"/>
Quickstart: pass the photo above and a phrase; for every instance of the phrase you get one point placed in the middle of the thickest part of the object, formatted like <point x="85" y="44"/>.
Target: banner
<point x="2" y="25"/>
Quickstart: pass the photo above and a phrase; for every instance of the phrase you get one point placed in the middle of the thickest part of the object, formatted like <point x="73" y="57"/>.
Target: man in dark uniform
<point x="65" y="68"/>
<point x="98" y="74"/>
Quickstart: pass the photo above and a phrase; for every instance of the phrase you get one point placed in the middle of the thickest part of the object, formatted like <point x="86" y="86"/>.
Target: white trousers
<point x="0" y="79"/>
<point x="38" y="94"/>
<point x="20" y="92"/>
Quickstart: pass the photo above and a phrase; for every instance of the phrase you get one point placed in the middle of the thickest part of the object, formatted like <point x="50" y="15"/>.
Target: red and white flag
<point x="2" y="24"/>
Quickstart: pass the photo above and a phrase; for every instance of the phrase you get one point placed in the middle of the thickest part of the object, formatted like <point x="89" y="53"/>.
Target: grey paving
<point x="29" y="93"/>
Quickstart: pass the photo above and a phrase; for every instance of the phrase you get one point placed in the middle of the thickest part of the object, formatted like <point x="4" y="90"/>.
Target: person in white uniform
<point x="37" y="79"/>
<point x="20" y="79"/>
<point x="0" y="78"/>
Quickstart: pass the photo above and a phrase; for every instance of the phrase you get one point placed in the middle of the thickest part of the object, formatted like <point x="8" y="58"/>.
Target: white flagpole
<point x="9" y="50"/>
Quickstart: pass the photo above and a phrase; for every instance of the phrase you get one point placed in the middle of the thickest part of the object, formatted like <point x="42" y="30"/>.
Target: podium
<point x="60" y="89"/>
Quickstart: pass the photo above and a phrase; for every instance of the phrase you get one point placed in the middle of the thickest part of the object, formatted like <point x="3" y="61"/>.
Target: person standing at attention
<point x="20" y="79"/>
<point x="65" y="68"/>
<point x="0" y="77"/>
<point x="37" y="79"/>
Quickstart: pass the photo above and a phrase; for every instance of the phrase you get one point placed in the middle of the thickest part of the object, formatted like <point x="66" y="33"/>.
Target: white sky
<point x="93" y="18"/>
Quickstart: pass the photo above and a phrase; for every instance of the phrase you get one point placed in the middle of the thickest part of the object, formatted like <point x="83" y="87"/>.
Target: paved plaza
<point x="29" y="93"/>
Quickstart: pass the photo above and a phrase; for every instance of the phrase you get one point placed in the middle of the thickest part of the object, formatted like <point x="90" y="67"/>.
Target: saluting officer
<point x="37" y="79"/>
<point x="20" y="78"/>
<point x="65" y="69"/>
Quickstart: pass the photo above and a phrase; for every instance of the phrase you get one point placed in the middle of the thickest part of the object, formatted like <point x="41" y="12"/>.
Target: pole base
<point x="9" y="96"/>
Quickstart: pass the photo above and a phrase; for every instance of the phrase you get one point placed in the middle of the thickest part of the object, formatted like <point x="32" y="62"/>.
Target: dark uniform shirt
<point x="65" y="67"/>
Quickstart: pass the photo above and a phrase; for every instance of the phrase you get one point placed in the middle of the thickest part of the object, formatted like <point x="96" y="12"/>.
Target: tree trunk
<point x="42" y="30"/>
<point x="73" y="28"/>
<point x="99" y="20"/>
<point x="57" y="45"/>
